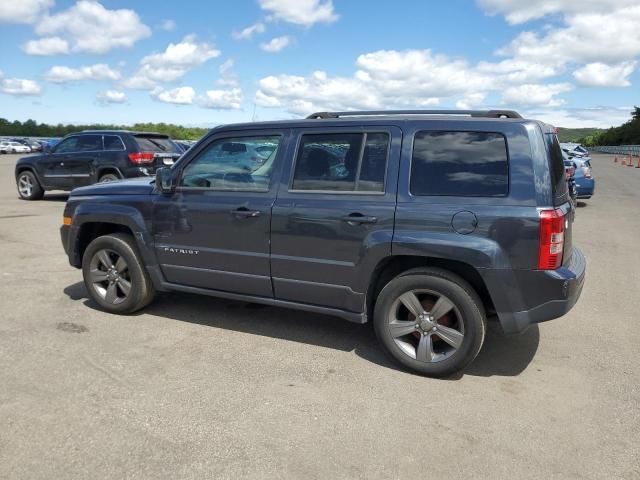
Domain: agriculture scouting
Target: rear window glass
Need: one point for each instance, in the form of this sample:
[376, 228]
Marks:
[468, 164]
[556, 168]
[156, 144]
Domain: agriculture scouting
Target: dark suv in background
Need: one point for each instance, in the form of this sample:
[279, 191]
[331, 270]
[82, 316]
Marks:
[428, 223]
[93, 157]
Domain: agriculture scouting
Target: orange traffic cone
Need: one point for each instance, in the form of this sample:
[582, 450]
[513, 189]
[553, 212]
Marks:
[638, 165]
[630, 164]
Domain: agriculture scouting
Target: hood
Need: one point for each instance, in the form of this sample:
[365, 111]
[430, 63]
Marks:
[134, 186]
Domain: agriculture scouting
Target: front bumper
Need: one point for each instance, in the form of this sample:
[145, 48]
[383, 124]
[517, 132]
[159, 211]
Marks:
[69, 236]
[525, 297]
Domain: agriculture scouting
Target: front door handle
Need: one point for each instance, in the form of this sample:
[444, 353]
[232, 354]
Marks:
[244, 212]
[359, 219]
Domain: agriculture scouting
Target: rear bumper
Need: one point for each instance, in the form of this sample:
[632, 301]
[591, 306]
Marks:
[523, 298]
[586, 187]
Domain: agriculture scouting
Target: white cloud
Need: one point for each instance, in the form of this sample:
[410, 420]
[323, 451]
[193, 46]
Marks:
[227, 76]
[276, 44]
[111, 96]
[168, 25]
[100, 71]
[587, 37]
[23, 11]
[249, 32]
[230, 99]
[19, 86]
[172, 64]
[536, 94]
[46, 46]
[603, 75]
[300, 12]
[179, 95]
[90, 27]
[384, 79]
[521, 11]
[471, 100]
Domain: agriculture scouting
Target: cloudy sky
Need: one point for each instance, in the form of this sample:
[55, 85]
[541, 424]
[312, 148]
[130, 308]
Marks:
[195, 62]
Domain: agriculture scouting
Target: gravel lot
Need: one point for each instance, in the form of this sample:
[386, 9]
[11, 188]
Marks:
[195, 387]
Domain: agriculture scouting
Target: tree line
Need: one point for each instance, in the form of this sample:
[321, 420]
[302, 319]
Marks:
[31, 128]
[626, 134]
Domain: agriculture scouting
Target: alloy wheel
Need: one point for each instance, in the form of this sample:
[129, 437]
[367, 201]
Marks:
[426, 326]
[25, 185]
[109, 276]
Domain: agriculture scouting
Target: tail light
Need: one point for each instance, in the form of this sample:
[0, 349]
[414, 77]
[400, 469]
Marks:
[586, 171]
[551, 239]
[141, 158]
[570, 172]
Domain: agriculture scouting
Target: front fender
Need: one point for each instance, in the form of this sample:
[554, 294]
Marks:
[123, 215]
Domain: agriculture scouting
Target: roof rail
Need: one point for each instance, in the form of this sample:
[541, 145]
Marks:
[471, 113]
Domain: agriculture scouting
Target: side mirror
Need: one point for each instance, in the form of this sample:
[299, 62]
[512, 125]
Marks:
[165, 181]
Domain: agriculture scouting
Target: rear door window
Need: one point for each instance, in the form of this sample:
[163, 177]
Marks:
[341, 162]
[151, 143]
[467, 164]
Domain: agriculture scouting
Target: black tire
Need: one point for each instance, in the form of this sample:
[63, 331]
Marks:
[141, 291]
[108, 177]
[466, 305]
[28, 186]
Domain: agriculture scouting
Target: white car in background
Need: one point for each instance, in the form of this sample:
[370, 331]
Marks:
[8, 146]
[576, 152]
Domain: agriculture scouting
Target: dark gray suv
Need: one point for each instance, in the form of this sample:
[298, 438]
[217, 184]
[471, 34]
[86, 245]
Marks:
[425, 222]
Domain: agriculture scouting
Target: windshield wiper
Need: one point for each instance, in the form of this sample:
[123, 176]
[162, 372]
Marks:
[157, 144]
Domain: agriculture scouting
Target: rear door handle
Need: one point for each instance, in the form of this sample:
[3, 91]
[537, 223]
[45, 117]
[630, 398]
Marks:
[244, 212]
[359, 219]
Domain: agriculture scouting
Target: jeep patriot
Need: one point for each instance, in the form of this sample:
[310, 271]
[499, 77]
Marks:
[425, 222]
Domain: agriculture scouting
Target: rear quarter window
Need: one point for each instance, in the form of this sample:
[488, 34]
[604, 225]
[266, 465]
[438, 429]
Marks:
[467, 164]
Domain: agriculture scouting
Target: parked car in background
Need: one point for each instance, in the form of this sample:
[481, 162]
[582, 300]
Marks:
[11, 146]
[576, 151]
[403, 218]
[91, 157]
[585, 183]
[570, 171]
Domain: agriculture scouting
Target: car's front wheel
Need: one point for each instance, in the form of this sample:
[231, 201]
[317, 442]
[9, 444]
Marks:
[115, 276]
[430, 321]
[28, 186]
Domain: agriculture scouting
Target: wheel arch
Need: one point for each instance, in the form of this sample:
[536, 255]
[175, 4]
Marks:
[391, 267]
[90, 219]
[104, 170]
[28, 168]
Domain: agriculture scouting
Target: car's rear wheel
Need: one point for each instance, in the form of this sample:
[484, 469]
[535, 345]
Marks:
[115, 276]
[430, 321]
[28, 186]
[108, 177]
